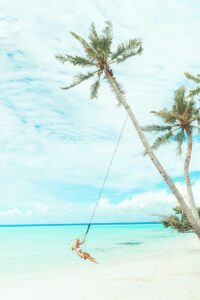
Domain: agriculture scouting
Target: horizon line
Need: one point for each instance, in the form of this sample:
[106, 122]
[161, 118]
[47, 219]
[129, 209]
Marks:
[78, 224]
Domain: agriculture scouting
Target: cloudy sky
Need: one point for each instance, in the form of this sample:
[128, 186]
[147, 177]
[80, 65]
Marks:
[55, 145]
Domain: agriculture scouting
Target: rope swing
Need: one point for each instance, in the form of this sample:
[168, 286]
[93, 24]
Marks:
[77, 243]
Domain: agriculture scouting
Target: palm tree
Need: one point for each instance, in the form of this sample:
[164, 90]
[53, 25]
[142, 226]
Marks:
[99, 58]
[180, 123]
[195, 79]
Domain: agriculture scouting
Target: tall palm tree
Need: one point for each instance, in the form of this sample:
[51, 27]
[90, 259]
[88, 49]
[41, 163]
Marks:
[195, 79]
[180, 123]
[99, 57]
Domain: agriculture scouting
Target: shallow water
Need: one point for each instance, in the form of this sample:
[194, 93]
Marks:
[26, 250]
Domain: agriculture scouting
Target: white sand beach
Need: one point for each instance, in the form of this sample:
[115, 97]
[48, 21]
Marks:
[170, 271]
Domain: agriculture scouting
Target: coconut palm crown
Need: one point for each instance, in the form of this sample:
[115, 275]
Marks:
[179, 121]
[99, 56]
[195, 79]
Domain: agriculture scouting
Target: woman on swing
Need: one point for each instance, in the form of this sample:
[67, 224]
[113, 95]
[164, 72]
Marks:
[76, 244]
[84, 255]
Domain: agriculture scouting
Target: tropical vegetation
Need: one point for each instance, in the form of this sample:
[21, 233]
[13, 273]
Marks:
[178, 221]
[179, 124]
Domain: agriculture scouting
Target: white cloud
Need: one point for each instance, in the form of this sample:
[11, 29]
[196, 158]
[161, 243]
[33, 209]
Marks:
[144, 206]
[147, 206]
[11, 213]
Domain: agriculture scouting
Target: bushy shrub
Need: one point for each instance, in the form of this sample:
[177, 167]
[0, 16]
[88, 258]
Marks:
[178, 220]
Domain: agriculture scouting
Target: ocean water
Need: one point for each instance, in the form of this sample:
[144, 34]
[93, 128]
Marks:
[34, 249]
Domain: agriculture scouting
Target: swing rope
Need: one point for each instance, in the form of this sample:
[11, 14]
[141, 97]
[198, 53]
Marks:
[105, 179]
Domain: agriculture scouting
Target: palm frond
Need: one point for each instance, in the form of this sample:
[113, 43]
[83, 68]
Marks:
[193, 78]
[156, 128]
[128, 55]
[196, 79]
[94, 88]
[196, 115]
[75, 60]
[106, 39]
[108, 30]
[162, 140]
[126, 50]
[91, 53]
[79, 78]
[191, 110]
[179, 138]
[80, 39]
[93, 36]
[168, 116]
[180, 103]
[61, 58]
[194, 92]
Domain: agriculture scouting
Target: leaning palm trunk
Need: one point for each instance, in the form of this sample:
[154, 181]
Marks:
[187, 179]
[120, 97]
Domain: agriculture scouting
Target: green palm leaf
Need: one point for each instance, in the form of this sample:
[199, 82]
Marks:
[162, 140]
[179, 138]
[75, 60]
[91, 53]
[126, 50]
[157, 128]
[193, 78]
[196, 79]
[167, 116]
[194, 92]
[180, 104]
[93, 36]
[106, 39]
[79, 78]
[94, 88]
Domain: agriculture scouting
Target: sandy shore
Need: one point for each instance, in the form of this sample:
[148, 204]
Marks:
[171, 271]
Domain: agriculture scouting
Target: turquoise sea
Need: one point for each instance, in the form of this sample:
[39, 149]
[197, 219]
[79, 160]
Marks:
[34, 249]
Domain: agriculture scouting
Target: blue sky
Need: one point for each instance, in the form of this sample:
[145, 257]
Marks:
[55, 144]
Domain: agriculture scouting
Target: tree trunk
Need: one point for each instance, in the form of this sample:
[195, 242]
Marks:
[120, 97]
[187, 179]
